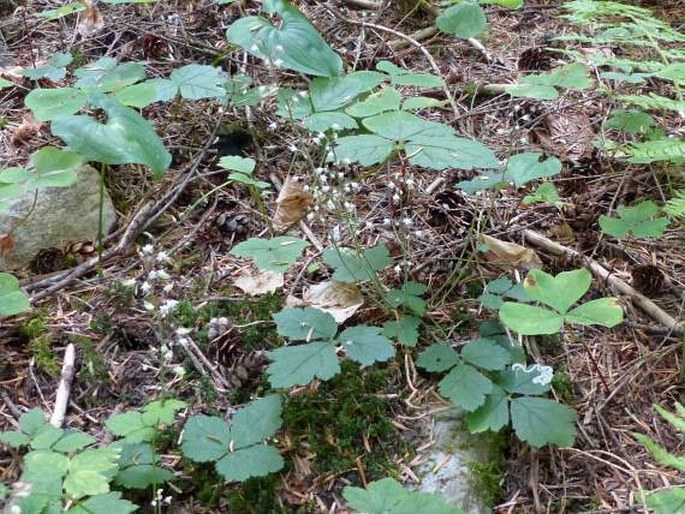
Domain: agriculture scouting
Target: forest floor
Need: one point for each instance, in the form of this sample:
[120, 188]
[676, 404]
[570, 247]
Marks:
[365, 424]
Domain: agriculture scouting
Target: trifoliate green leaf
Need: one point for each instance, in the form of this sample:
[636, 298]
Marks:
[32, 421]
[126, 137]
[449, 151]
[530, 320]
[559, 292]
[387, 99]
[331, 94]
[464, 20]
[325, 121]
[545, 193]
[437, 358]
[305, 324]
[137, 95]
[276, 254]
[532, 380]
[255, 461]
[466, 387]
[402, 77]
[205, 438]
[130, 425]
[90, 472]
[197, 81]
[138, 469]
[525, 167]
[255, 422]
[55, 69]
[349, 266]
[497, 290]
[538, 421]
[492, 415]
[299, 365]
[12, 299]
[14, 438]
[405, 330]
[485, 354]
[366, 149]
[389, 496]
[366, 345]
[295, 44]
[106, 75]
[667, 501]
[47, 104]
[640, 220]
[162, 412]
[109, 502]
[631, 122]
[537, 91]
[54, 167]
[606, 312]
[570, 76]
[46, 437]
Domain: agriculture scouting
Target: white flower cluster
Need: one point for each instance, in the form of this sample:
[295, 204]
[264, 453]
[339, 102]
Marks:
[160, 499]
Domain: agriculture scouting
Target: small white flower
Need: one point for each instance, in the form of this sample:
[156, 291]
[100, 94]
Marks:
[254, 49]
[407, 222]
[162, 256]
[145, 287]
[158, 274]
[396, 198]
[336, 234]
[340, 175]
[147, 249]
[273, 125]
[330, 205]
[335, 126]
[387, 222]
[277, 63]
[167, 307]
[303, 94]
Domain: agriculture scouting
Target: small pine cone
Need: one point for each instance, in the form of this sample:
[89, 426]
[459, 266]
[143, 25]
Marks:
[233, 224]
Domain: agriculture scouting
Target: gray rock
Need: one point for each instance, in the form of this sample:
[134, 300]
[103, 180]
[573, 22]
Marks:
[59, 216]
[449, 461]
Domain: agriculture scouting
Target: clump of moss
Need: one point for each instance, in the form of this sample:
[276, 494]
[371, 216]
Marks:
[40, 345]
[336, 419]
[488, 475]
[241, 312]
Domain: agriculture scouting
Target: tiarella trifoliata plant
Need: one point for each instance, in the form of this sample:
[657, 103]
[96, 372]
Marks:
[64, 471]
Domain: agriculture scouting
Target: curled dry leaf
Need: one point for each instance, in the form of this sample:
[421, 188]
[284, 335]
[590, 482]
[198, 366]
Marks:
[508, 256]
[256, 283]
[339, 299]
[7, 243]
[26, 131]
[90, 19]
[291, 205]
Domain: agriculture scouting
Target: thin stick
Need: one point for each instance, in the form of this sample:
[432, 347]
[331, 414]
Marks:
[64, 387]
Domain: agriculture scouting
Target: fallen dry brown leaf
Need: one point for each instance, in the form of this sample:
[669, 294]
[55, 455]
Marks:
[340, 300]
[508, 256]
[292, 205]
